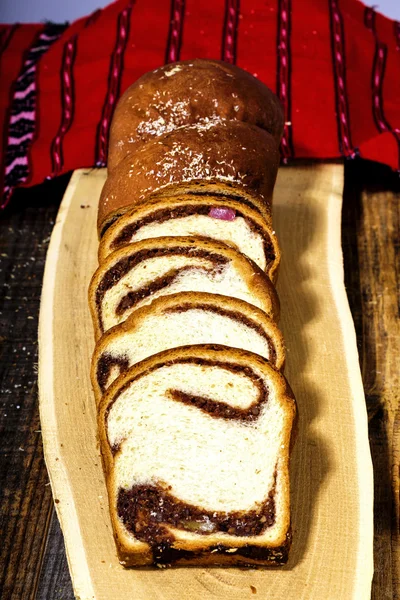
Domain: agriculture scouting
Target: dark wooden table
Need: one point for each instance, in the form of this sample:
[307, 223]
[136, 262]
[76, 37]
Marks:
[32, 555]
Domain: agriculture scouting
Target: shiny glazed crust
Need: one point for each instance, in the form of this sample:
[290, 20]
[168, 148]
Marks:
[229, 158]
[199, 552]
[185, 93]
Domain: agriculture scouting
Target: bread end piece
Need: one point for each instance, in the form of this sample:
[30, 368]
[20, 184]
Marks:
[182, 548]
[209, 556]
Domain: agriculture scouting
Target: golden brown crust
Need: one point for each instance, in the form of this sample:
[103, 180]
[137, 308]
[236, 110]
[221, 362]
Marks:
[209, 557]
[185, 93]
[134, 553]
[230, 157]
[193, 299]
[258, 283]
[110, 242]
[196, 128]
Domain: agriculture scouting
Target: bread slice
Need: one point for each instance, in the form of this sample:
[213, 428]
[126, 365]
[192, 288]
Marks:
[222, 219]
[195, 444]
[179, 320]
[180, 94]
[139, 273]
[229, 158]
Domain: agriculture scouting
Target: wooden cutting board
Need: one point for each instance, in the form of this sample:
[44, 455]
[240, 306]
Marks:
[331, 471]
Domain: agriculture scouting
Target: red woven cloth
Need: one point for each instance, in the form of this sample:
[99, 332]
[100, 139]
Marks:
[335, 65]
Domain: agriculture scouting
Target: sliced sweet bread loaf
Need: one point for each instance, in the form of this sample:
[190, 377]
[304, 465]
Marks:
[139, 273]
[180, 94]
[219, 218]
[229, 158]
[195, 444]
[179, 320]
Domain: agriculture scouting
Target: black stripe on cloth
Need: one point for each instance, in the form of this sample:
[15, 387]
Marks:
[67, 96]
[284, 74]
[19, 172]
[230, 31]
[114, 85]
[21, 116]
[6, 37]
[19, 129]
[26, 103]
[396, 30]
[67, 104]
[17, 151]
[175, 31]
[25, 80]
[338, 51]
[377, 78]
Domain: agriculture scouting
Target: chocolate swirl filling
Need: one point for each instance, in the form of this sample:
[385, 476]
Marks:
[231, 315]
[165, 214]
[159, 283]
[105, 365]
[248, 371]
[219, 410]
[123, 266]
[196, 192]
[147, 511]
[107, 361]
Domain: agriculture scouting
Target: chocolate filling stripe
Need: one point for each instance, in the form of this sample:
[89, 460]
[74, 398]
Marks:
[165, 214]
[107, 361]
[229, 196]
[160, 216]
[148, 510]
[230, 314]
[217, 409]
[196, 192]
[157, 284]
[233, 368]
[221, 410]
[123, 266]
[105, 364]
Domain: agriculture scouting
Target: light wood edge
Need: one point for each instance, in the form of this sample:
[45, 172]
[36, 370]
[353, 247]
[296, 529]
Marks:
[83, 586]
[365, 564]
[59, 480]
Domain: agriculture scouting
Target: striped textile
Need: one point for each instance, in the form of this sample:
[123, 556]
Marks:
[334, 64]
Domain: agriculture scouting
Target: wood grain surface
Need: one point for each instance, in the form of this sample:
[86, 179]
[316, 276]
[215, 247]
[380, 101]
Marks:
[370, 241]
[371, 245]
[26, 504]
[331, 468]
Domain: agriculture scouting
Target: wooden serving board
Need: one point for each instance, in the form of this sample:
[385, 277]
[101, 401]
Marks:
[331, 471]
